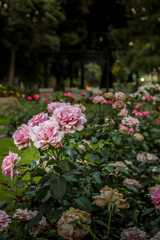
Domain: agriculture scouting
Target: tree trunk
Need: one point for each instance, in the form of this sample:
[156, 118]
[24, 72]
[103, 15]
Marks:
[82, 74]
[11, 69]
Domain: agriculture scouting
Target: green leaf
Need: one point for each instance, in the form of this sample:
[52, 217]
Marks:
[147, 211]
[47, 177]
[63, 165]
[71, 151]
[2, 203]
[84, 204]
[58, 188]
[42, 192]
[132, 188]
[96, 177]
[38, 172]
[34, 221]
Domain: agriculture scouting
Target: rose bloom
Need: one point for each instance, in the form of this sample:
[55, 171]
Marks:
[8, 165]
[157, 120]
[151, 158]
[129, 131]
[132, 182]
[29, 98]
[109, 95]
[123, 112]
[156, 237]
[51, 107]
[120, 96]
[25, 216]
[138, 106]
[141, 157]
[47, 133]
[119, 163]
[139, 137]
[36, 96]
[145, 113]
[97, 93]
[153, 188]
[68, 224]
[83, 146]
[133, 233]
[21, 137]
[69, 95]
[83, 108]
[155, 196]
[69, 118]
[109, 122]
[111, 198]
[4, 221]
[131, 122]
[119, 105]
[83, 94]
[99, 99]
[37, 119]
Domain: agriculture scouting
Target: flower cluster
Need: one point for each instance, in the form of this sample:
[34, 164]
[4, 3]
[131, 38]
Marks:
[74, 224]
[132, 182]
[156, 237]
[111, 198]
[149, 157]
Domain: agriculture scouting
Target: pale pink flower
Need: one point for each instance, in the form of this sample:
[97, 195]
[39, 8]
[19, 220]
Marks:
[9, 165]
[83, 146]
[69, 118]
[109, 122]
[47, 133]
[23, 215]
[139, 114]
[51, 107]
[123, 112]
[129, 131]
[134, 112]
[36, 96]
[120, 96]
[155, 196]
[21, 137]
[131, 122]
[99, 99]
[139, 137]
[132, 182]
[23, 96]
[118, 163]
[37, 119]
[133, 233]
[4, 221]
[141, 157]
[39, 227]
[151, 158]
[97, 93]
[156, 237]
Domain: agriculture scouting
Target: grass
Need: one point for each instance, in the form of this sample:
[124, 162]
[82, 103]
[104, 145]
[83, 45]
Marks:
[3, 120]
[7, 188]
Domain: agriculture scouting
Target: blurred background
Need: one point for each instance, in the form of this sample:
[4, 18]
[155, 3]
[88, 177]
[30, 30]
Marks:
[79, 43]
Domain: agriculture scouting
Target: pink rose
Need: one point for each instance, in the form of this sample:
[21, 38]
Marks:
[69, 118]
[118, 163]
[151, 98]
[29, 98]
[155, 196]
[23, 96]
[37, 119]
[23, 215]
[99, 99]
[46, 99]
[132, 182]
[8, 165]
[123, 112]
[141, 157]
[21, 137]
[47, 133]
[36, 96]
[145, 113]
[69, 95]
[51, 107]
[4, 221]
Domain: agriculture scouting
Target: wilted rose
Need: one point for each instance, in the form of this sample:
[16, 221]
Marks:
[70, 225]
[133, 233]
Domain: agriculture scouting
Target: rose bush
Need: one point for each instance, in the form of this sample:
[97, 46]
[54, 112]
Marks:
[89, 177]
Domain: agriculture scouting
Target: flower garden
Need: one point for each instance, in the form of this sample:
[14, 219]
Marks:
[91, 168]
